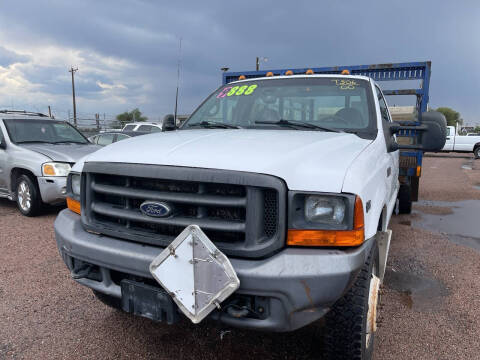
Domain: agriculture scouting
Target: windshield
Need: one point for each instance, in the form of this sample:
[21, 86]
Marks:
[341, 103]
[48, 131]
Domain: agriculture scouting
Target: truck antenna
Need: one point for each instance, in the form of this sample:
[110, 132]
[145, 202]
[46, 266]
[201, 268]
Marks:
[178, 76]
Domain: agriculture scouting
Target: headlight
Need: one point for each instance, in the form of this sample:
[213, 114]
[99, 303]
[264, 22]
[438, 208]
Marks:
[55, 169]
[75, 184]
[327, 219]
[325, 209]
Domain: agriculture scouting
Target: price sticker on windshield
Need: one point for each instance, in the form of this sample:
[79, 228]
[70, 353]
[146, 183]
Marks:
[346, 84]
[236, 91]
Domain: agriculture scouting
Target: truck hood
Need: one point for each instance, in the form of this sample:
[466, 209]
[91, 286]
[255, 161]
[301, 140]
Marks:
[69, 153]
[306, 160]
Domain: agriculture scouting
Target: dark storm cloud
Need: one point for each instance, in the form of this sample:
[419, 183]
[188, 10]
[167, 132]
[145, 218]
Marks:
[223, 33]
[8, 57]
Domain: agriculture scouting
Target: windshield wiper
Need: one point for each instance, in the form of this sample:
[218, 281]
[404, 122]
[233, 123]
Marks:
[296, 124]
[33, 141]
[69, 142]
[213, 124]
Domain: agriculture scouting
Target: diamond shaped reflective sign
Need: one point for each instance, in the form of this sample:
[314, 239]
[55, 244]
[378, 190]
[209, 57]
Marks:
[196, 274]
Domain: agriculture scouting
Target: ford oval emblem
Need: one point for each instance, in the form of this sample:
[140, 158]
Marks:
[156, 209]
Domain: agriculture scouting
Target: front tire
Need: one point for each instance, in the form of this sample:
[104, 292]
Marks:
[29, 202]
[476, 152]
[351, 323]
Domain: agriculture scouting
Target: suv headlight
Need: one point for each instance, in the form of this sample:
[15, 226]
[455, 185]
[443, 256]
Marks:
[55, 169]
[325, 219]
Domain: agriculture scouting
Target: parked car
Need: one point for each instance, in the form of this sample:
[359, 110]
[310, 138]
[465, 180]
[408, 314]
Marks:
[143, 126]
[268, 209]
[107, 138]
[36, 155]
[462, 143]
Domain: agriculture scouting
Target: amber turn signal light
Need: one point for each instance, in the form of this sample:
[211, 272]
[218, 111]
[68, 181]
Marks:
[269, 74]
[345, 72]
[73, 205]
[242, 77]
[352, 237]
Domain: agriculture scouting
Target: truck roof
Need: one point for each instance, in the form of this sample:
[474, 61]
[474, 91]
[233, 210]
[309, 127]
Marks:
[360, 77]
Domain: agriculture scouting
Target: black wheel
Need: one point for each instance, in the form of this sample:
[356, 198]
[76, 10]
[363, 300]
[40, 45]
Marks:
[29, 202]
[108, 300]
[476, 152]
[404, 199]
[351, 323]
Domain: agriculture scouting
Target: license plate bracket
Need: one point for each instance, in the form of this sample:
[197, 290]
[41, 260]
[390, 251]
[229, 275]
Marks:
[148, 301]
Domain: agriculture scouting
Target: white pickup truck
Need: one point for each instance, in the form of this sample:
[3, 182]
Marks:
[461, 143]
[268, 209]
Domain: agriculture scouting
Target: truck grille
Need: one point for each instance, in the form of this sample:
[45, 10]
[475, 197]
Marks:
[242, 213]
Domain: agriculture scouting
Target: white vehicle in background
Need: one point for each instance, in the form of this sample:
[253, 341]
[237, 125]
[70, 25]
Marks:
[461, 143]
[143, 127]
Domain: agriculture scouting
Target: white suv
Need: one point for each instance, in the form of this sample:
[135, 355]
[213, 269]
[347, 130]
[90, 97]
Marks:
[143, 127]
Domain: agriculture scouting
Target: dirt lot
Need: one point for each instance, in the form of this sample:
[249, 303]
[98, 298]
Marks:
[430, 303]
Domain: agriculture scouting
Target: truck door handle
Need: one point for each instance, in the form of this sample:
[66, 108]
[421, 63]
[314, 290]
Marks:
[448, 138]
[389, 171]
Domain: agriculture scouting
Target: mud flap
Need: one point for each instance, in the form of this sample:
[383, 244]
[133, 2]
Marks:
[383, 243]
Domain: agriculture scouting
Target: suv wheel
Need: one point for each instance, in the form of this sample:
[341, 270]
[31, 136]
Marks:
[476, 152]
[29, 202]
[352, 321]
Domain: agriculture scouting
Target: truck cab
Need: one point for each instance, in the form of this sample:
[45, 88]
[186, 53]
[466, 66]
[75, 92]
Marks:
[284, 187]
[461, 143]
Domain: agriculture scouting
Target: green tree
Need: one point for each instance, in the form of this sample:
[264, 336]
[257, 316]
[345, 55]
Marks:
[452, 116]
[131, 116]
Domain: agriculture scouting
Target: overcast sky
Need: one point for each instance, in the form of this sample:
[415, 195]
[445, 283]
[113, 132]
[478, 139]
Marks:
[126, 51]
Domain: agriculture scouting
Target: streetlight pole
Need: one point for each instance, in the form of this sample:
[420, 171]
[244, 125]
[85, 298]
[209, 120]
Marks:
[72, 70]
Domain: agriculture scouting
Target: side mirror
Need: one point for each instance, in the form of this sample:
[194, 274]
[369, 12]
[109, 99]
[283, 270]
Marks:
[431, 134]
[168, 123]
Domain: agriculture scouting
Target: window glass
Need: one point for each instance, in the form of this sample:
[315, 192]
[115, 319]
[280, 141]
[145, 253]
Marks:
[339, 103]
[105, 139]
[36, 130]
[144, 128]
[129, 127]
[155, 129]
[383, 106]
[122, 137]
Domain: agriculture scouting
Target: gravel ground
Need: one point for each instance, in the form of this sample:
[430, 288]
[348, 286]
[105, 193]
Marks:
[430, 306]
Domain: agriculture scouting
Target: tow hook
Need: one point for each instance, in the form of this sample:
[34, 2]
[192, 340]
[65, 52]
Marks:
[82, 272]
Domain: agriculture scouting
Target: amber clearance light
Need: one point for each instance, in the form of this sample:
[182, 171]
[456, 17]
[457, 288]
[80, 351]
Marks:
[73, 205]
[352, 237]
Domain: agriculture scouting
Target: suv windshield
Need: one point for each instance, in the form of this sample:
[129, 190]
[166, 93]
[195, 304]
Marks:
[48, 131]
[339, 103]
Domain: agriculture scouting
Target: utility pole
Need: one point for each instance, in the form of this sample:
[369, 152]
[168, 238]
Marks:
[257, 62]
[49, 111]
[72, 70]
